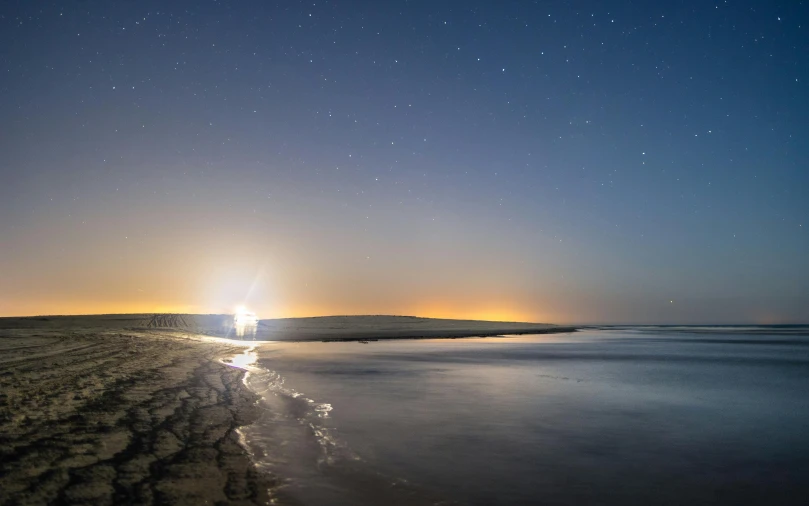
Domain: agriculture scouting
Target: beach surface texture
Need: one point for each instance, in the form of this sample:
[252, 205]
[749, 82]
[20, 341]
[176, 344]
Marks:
[145, 409]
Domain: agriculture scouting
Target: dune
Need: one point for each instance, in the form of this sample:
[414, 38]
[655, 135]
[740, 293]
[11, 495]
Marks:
[322, 328]
[348, 328]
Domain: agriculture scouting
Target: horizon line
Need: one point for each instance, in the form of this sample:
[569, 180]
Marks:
[598, 324]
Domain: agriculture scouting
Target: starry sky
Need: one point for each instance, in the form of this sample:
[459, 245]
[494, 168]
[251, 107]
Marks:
[560, 161]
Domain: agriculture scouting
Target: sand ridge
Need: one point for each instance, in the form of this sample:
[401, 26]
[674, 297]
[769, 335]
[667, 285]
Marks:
[322, 328]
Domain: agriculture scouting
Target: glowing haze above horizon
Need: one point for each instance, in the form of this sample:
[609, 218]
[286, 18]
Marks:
[558, 162]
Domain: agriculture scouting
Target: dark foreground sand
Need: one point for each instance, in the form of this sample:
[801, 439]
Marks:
[93, 417]
[140, 409]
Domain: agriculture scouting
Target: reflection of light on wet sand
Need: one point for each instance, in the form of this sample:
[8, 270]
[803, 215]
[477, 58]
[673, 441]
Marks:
[245, 360]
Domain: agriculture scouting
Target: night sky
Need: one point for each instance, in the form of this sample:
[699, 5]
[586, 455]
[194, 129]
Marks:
[560, 161]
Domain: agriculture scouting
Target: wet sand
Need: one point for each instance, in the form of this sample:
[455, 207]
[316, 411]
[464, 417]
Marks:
[122, 417]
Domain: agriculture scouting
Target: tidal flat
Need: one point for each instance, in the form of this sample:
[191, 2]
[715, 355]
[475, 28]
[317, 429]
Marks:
[146, 409]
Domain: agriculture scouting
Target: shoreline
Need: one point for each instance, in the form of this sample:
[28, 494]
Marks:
[138, 417]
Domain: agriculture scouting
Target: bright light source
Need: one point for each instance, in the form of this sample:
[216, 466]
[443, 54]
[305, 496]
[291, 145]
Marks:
[244, 317]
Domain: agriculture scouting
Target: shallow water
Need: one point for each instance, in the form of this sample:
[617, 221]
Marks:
[651, 415]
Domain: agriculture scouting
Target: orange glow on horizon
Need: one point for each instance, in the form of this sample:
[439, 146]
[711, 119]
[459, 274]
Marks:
[473, 310]
[433, 311]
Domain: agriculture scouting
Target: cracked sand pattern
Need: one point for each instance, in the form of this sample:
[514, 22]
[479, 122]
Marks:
[100, 417]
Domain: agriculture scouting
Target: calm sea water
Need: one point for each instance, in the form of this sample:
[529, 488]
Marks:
[634, 415]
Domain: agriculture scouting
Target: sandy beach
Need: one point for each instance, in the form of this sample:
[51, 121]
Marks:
[115, 416]
[144, 409]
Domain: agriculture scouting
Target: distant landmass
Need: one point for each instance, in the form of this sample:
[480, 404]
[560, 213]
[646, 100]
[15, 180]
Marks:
[321, 328]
